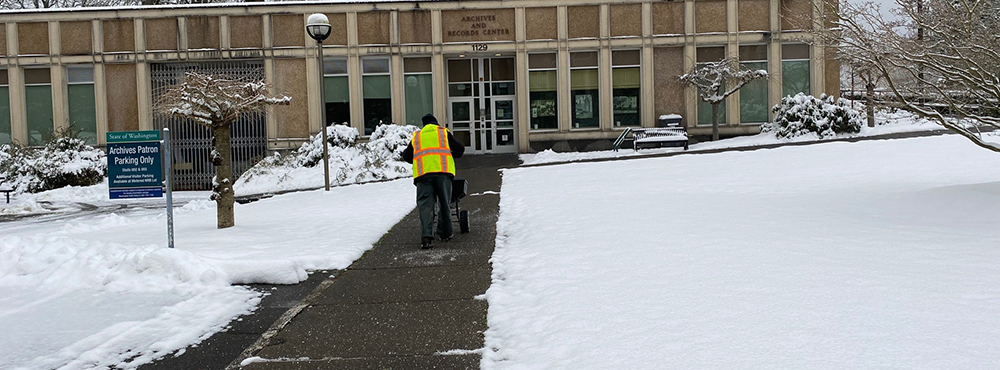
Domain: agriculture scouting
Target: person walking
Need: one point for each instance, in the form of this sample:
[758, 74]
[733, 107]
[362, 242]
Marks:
[432, 151]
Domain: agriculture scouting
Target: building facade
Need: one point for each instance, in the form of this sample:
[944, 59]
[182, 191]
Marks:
[508, 76]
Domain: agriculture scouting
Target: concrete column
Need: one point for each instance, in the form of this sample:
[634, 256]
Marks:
[18, 116]
[182, 34]
[314, 82]
[266, 42]
[57, 74]
[143, 76]
[690, 93]
[438, 69]
[562, 73]
[396, 72]
[604, 64]
[101, 103]
[817, 61]
[647, 103]
[774, 58]
[225, 39]
[354, 70]
[523, 114]
[100, 84]
[690, 57]
[733, 53]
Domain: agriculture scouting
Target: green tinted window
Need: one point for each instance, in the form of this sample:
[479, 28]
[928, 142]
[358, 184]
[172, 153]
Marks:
[336, 89]
[82, 114]
[419, 90]
[795, 77]
[38, 101]
[5, 136]
[753, 96]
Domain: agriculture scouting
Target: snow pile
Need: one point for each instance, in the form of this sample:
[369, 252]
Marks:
[350, 161]
[99, 292]
[61, 162]
[888, 121]
[822, 117]
[874, 254]
[46, 271]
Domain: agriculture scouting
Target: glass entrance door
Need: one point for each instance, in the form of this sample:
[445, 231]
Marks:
[481, 104]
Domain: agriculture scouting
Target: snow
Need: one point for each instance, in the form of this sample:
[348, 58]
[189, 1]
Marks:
[886, 123]
[98, 291]
[874, 254]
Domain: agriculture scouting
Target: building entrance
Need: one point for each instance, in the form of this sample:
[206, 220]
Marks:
[481, 98]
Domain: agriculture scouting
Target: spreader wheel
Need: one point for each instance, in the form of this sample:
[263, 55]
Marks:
[463, 221]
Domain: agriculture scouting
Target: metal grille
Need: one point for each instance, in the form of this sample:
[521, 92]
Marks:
[191, 143]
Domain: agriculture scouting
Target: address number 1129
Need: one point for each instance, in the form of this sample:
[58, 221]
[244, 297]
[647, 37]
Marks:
[480, 47]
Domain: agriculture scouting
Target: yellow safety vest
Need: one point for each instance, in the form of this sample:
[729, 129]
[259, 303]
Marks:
[431, 152]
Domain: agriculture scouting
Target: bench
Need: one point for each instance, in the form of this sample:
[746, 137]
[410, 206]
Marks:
[5, 189]
[659, 137]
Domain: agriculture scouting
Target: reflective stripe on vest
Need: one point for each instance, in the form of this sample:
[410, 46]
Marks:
[431, 151]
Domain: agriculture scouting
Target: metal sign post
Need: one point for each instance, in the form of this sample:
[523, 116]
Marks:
[167, 186]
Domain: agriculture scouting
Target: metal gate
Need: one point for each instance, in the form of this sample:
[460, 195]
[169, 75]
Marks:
[191, 143]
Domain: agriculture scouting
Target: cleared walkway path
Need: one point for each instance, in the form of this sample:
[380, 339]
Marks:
[399, 307]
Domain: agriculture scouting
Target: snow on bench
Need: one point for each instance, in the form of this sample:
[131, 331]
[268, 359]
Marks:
[657, 137]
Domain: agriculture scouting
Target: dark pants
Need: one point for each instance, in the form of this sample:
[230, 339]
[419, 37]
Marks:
[434, 188]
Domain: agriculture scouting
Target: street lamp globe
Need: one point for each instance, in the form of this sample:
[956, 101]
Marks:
[318, 27]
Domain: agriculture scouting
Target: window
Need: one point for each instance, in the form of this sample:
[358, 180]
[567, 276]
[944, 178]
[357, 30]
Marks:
[542, 91]
[377, 103]
[38, 104]
[80, 93]
[336, 92]
[795, 69]
[418, 86]
[584, 89]
[5, 135]
[707, 55]
[753, 96]
[626, 82]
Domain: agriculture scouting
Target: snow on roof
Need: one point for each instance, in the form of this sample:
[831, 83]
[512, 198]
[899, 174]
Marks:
[211, 5]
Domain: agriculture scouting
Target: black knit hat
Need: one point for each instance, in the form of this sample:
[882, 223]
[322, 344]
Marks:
[429, 119]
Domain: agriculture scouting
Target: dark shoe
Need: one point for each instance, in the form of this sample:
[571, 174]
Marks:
[446, 238]
[427, 242]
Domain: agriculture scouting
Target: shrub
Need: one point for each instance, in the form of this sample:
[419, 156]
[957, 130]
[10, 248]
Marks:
[391, 139]
[805, 114]
[62, 161]
[340, 136]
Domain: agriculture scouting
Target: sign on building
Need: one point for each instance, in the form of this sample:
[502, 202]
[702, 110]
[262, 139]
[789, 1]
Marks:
[134, 167]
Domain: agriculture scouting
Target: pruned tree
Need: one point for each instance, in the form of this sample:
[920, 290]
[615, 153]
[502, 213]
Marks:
[216, 102]
[716, 81]
[940, 59]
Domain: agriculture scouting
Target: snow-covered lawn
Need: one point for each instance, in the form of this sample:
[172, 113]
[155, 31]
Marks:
[887, 123]
[93, 292]
[868, 255]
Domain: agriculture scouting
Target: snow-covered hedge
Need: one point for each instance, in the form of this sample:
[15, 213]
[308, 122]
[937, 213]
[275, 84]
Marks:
[61, 162]
[806, 114]
[350, 161]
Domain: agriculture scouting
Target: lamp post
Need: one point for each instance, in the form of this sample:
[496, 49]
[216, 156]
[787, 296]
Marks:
[318, 27]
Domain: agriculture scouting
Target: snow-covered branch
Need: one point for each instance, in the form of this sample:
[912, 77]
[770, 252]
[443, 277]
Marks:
[216, 100]
[717, 80]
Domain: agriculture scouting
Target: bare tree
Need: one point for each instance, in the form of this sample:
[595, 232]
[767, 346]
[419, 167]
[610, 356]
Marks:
[942, 57]
[216, 102]
[716, 81]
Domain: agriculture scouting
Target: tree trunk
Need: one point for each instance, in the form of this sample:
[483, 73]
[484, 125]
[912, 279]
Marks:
[223, 176]
[715, 122]
[870, 102]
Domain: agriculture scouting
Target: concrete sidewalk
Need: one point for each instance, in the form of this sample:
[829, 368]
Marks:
[399, 307]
